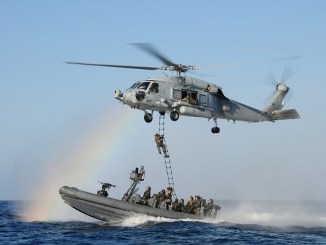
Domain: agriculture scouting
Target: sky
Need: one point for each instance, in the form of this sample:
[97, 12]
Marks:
[60, 124]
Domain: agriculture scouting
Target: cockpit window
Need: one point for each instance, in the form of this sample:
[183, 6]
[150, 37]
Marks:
[135, 85]
[143, 85]
[154, 88]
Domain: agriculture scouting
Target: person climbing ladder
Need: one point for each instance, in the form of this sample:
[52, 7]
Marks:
[161, 143]
[159, 139]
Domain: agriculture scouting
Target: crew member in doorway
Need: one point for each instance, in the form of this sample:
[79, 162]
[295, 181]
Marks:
[190, 99]
[159, 139]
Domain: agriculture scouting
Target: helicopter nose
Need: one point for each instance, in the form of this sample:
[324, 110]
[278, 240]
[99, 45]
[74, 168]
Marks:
[130, 98]
[118, 95]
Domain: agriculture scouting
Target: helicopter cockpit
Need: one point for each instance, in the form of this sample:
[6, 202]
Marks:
[140, 85]
[142, 88]
[153, 88]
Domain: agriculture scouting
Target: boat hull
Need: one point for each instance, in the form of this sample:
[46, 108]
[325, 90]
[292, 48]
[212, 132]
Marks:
[113, 210]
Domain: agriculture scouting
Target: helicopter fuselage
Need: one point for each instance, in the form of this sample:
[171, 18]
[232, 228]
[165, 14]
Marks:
[189, 96]
[186, 96]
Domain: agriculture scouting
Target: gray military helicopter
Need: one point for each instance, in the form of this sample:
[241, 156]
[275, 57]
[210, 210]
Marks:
[189, 96]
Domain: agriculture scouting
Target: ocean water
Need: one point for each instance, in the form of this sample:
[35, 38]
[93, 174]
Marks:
[254, 226]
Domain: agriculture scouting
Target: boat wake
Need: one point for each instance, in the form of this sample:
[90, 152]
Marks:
[142, 219]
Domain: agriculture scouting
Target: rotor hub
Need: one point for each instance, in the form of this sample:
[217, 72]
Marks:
[282, 88]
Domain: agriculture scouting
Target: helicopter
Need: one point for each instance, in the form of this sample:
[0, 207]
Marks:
[189, 96]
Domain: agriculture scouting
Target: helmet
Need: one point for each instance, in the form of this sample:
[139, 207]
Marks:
[210, 200]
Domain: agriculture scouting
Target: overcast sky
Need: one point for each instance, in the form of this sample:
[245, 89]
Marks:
[60, 124]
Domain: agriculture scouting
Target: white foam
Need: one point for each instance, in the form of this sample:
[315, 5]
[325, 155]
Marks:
[141, 219]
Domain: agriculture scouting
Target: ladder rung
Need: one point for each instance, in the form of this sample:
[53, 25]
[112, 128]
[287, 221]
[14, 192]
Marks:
[168, 166]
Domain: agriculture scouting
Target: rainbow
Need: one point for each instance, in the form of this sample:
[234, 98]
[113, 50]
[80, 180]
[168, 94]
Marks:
[77, 165]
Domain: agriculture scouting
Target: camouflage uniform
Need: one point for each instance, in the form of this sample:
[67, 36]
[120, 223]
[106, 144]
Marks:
[147, 193]
[160, 144]
[159, 198]
[208, 207]
[188, 207]
[168, 196]
[178, 206]
[196, 205]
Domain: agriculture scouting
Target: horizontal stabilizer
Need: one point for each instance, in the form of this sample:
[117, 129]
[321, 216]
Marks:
[285, 114]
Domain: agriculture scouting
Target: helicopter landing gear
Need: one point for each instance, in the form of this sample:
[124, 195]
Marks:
[148, 117]
[215, 130]
[174, 115]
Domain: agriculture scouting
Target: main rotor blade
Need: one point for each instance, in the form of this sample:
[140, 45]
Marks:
[294, 57]
[149, 48]
[116, 66]
[287, 73]
[270, 79]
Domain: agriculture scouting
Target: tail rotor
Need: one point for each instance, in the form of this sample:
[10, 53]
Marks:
[276, 100]
[280, 85]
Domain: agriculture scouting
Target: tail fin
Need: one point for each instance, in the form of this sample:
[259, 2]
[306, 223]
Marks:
[285, 114]
[274, 107]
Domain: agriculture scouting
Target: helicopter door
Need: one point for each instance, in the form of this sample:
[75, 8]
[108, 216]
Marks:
[202, 100]
[189, 97]
[176, 94]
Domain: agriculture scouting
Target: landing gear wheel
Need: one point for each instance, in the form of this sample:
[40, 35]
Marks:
[148, 117]
[174, 115]
[215, 130]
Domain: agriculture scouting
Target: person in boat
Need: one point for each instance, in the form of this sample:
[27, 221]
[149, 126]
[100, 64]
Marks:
[168, 196]
[178, 205]
[188, 207]
[159, 139]
[181, 205]
[141, 174]
[208, 207]
[147, 193]
[175, 204]
[196, 205]
[159, 197]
